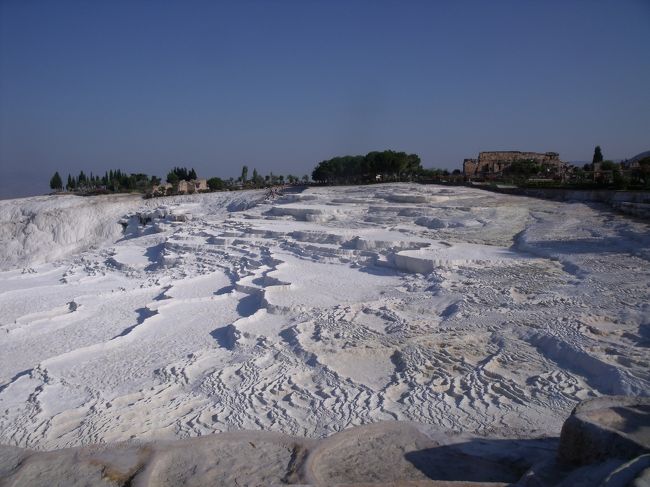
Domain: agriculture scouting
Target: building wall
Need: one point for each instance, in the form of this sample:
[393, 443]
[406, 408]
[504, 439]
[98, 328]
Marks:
[512, 156]
[192, 186]
[470, 166]
[493, 162]
[183, 186]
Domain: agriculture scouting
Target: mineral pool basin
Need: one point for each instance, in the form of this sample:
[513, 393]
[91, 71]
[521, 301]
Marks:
[446, 254]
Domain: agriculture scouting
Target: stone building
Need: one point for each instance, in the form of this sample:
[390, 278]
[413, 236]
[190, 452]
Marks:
[201, 184]
[183, 186]
[493, 163]
[192, 186]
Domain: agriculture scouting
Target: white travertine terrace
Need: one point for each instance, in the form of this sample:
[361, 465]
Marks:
[452, 308]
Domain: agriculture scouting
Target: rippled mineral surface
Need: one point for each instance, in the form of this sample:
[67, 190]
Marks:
[454, 308]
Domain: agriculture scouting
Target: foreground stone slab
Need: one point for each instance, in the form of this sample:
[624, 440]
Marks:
[604, 442]
[606, 427]
[398, 452]
[387, 453]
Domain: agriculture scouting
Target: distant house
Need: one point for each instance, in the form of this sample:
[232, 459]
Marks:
[192, 186]
[184, 187]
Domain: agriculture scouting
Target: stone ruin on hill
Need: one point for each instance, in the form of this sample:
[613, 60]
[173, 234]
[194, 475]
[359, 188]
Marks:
[493, 163]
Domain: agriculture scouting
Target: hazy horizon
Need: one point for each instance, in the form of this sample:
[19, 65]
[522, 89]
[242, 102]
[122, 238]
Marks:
[145, 86]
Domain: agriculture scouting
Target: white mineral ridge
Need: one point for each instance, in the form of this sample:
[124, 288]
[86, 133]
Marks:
[442, 254]
[45, 228]
[305, 314]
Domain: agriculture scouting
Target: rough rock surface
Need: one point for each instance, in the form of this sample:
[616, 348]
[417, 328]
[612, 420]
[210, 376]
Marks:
[393, 453]
[306, 313]
[606, 427]
[602, 444]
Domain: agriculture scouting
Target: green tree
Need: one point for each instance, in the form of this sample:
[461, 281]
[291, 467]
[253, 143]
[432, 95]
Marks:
[172, 178]
[56, 183]
[257, 179]
[183, 173]
[244, 174]
[216, 184]
[619, 179]
[608, 166]
[598, 155]
[358, 169]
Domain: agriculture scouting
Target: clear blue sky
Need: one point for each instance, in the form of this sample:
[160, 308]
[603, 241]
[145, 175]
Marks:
[144, 85]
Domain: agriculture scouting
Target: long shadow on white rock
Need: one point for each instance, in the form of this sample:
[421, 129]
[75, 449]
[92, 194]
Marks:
[482, 460]
[225, 336]
[143, 314]
[250, 304]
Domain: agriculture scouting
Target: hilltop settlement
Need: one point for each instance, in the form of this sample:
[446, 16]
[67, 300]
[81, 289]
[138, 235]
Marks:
[519, 168]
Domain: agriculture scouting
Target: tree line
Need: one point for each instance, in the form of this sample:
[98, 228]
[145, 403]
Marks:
[619, 175]
[385, 165]
[258, 181]
[112, 181]
[178, 174]
[375, 166]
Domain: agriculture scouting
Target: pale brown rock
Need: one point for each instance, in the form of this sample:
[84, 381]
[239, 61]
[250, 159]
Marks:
[606, 427]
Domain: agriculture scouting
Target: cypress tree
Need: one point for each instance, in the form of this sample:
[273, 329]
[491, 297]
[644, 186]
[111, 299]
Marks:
[56, 183]
[598, 155]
